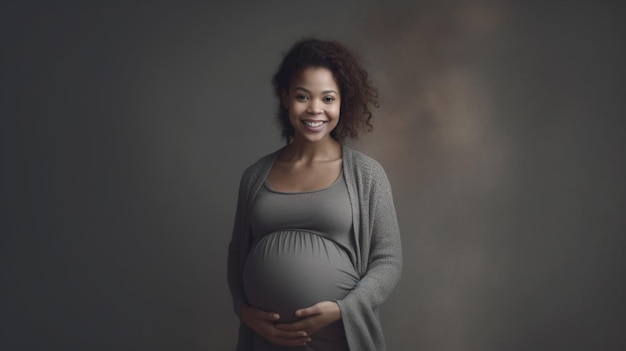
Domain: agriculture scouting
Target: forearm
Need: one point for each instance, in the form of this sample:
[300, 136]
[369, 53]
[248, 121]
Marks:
[234, 281]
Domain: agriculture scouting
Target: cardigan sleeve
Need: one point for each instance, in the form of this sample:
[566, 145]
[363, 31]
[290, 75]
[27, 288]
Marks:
[235, 246]
[381, 251]
[240, 242]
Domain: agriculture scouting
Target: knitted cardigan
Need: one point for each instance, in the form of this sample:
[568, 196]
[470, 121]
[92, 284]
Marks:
[378, 253]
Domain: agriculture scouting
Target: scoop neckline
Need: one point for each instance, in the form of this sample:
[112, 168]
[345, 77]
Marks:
[269, 187]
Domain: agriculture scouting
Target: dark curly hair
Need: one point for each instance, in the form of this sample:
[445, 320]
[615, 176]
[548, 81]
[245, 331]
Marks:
[358, 95]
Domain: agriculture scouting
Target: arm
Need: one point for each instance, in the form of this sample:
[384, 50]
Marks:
[234, 255]
[381, 252]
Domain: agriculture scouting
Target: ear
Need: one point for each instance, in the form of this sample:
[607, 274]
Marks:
[285, 99]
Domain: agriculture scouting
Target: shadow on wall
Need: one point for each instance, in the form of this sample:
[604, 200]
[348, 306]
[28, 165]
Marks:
[436, 113]
[435, 134]
[485, 132]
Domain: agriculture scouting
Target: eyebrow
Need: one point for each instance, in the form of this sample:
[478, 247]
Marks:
[323, 92]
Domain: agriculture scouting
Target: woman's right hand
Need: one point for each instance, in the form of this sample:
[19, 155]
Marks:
[261, 322]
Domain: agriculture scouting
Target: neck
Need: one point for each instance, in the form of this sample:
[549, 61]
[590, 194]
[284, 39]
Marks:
[324, 150]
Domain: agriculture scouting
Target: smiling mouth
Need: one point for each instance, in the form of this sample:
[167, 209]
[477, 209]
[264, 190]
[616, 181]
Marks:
[314, 124]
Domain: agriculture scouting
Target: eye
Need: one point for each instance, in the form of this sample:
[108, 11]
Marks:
[329, 99]
[301, 97]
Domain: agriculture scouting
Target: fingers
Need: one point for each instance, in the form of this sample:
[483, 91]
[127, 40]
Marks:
[261, 322]
[295, 326]
[319, 308]
[249, 314]
[310, 325]
[266, 316]
[309, 311]
[282, 341]
[285, 338]
[314, 318]
[287, 334]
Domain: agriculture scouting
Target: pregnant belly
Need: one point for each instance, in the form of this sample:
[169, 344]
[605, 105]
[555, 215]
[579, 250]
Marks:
[289, 270]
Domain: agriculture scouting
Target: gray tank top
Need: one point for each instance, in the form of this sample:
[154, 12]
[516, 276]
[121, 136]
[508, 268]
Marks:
[302, 254]
[326, 212]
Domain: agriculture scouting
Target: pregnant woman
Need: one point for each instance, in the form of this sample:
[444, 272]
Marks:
[316, 247]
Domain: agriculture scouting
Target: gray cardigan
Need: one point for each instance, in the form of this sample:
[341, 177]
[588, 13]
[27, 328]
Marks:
[378, 253]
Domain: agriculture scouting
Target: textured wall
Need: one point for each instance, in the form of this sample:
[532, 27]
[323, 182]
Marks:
[125, 127]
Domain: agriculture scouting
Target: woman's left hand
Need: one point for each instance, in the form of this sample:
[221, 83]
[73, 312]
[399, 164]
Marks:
[314, 318]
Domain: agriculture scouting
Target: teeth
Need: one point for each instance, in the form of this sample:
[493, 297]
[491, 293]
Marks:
[313, 123]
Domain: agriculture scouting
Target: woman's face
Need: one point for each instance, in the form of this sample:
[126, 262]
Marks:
[313, 102]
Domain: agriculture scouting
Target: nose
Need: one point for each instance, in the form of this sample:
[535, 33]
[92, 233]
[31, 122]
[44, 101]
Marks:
[315, 107]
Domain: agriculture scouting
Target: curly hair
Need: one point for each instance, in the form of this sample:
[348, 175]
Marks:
[358, 95]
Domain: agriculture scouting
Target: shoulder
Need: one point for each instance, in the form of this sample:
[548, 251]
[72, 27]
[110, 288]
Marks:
[259, 167]
[362, 164]
[365, 173]
[262, 162]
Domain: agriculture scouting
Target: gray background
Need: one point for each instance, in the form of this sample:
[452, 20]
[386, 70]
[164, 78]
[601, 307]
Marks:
[126, 126]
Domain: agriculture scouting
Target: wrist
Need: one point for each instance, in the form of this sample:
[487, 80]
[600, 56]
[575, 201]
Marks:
[243, 313]
[337, 310]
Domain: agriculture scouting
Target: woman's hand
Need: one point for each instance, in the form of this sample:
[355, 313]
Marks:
[262, 323]
[314, 318]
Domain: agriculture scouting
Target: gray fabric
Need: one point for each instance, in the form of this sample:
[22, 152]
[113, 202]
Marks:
[291, 269]
[326, 212]
[301, 254]
[378, 253]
